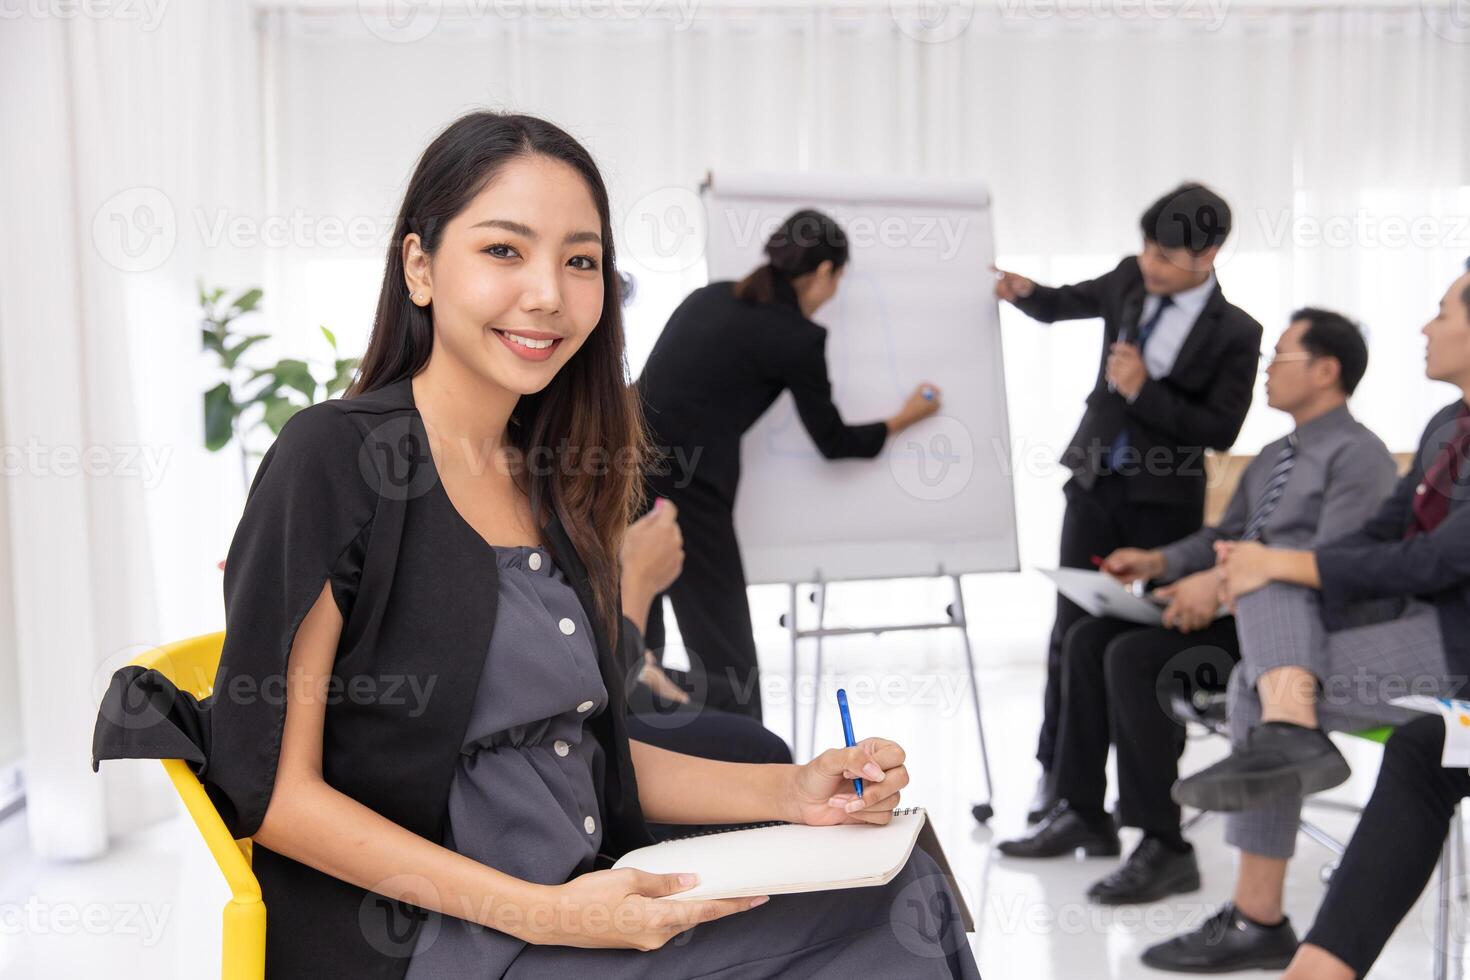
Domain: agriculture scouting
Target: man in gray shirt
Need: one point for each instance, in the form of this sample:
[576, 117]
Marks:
[1324, 478]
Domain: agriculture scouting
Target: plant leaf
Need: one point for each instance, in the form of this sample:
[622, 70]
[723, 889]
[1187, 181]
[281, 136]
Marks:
[331, 337]
[232, 355]
[246, 301]
[345, 368]
[212, 341]
[292, 373]
[219, 415]
[267, 390]
[277, 411]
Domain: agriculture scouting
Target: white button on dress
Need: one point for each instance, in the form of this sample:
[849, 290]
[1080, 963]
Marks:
[567, 626]
[534, 561]
[584, 707]
[562, 748]
[589, 825]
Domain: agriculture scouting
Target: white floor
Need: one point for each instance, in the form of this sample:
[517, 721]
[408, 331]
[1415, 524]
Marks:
[150, 908]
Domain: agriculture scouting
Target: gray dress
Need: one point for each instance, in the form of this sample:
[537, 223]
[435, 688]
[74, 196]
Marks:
[524, 800]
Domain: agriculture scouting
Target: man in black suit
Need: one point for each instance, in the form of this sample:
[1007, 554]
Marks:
[1175, 378]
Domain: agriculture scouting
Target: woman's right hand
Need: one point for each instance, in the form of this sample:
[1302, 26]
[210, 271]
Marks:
[1010, 286]
[922, 403]
[622, 908]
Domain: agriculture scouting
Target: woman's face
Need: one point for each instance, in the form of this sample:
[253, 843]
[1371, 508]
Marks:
[815, 288]
[1447, 354]
[516, 283]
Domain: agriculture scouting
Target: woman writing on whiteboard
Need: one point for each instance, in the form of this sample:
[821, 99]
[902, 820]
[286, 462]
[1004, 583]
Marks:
[727, 352]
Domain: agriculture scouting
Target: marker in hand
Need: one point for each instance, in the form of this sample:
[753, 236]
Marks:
[847, 736]
[928, 393]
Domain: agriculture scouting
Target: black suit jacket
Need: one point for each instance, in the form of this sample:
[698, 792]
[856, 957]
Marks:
[718, 365]
[1200, 405]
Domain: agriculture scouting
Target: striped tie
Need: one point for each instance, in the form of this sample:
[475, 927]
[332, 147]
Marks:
[1275, 487]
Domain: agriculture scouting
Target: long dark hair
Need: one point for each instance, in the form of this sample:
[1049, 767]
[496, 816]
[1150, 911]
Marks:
[588, 405]
[804, 241]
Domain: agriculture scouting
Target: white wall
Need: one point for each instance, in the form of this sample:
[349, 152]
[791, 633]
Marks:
[10, 738]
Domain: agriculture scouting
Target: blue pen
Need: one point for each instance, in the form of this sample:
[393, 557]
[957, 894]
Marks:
[847, 732]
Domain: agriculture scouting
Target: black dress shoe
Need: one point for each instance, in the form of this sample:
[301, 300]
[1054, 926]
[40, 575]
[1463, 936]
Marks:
[1278, 759]
[1152, 872]
[1063, 831]
[1227, 942]
[1044, 799]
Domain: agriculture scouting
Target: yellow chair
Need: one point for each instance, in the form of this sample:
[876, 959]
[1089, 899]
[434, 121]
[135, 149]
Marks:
[191, 665]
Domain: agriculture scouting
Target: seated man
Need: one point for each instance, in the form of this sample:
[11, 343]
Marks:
[1296, 678]
[1331, 472]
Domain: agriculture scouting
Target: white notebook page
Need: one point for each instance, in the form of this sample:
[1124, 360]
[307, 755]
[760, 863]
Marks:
[784, 859]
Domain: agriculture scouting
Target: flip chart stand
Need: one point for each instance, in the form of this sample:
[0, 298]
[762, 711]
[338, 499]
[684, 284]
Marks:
[956, 620]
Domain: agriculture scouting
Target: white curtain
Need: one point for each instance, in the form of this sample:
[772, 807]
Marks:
[122, 125]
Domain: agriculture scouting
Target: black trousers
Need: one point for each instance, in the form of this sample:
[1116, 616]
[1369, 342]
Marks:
[703, 731]
[1394, 850]
[710, 603]
[1116, 681]
[1096, 522]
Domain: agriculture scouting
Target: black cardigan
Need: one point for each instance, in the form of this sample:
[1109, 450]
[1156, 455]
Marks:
[1200, 405]
[348, 494]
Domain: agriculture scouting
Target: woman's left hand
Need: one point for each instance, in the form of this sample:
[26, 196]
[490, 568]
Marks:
[821, 792]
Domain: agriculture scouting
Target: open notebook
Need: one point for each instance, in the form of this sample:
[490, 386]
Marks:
[783, 858]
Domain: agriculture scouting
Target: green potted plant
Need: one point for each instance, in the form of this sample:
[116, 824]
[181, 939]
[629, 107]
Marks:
[246, 399]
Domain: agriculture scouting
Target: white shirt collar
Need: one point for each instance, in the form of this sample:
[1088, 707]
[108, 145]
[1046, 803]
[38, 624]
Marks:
[1192, 301]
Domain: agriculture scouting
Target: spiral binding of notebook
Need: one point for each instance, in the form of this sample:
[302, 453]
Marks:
[898, 812]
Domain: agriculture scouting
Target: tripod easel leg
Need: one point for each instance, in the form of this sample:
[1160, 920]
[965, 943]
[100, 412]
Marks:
[820, 597]
[982, 811]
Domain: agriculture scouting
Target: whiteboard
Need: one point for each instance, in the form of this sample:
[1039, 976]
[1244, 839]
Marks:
[916, 303]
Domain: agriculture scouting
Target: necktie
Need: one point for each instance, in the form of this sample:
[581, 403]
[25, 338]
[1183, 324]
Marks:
[1145, 331]
[1446, 477]
[1271, 495]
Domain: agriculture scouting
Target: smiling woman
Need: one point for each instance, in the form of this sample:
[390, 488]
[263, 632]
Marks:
[431, 531]
[502, 256]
